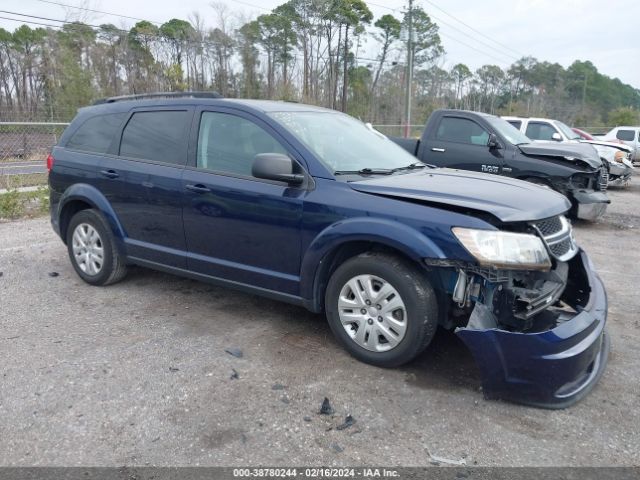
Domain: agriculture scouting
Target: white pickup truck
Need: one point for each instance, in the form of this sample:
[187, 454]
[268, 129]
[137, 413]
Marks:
[617, 156]
[630, 136]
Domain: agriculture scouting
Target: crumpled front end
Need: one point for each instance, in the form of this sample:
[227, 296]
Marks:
[538, 336]
[558, 358]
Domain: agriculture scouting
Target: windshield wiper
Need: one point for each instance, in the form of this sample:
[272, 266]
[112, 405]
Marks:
[365, 171]
[412, 166]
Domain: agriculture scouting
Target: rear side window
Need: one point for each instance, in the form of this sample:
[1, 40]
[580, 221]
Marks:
[515, 123]
[158, 136]
[540, 131]
[626, 135]
[96, 134]
[461, 130]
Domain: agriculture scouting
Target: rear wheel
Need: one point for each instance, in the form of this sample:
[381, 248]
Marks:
[381, 308]
[92, 249]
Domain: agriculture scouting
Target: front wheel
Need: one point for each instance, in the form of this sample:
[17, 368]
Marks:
[381, 308]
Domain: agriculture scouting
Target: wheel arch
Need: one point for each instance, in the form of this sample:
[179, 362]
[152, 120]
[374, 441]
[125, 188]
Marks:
[350, 238]
[80, 197]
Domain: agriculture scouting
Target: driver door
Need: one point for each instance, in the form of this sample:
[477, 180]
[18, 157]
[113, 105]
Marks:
[460, 142]
[238, 227]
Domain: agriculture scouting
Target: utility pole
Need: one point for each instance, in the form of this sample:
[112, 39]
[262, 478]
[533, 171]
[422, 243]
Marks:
[584, 92]
[409, 74]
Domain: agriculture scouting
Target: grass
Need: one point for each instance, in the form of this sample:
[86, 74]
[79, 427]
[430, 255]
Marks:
[11, 182]
[15, 204]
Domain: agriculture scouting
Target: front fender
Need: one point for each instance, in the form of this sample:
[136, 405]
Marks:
[91, 195]
[395, 235]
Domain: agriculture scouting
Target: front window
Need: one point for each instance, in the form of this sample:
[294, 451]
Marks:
[625, 135]
[343, 143]
[566, 131]
[507, 131]
[540, 131]
[461, 130]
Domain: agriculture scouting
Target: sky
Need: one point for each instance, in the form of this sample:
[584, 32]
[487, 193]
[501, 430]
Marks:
[473, 32]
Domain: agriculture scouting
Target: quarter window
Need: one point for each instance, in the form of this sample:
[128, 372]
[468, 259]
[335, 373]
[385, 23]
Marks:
[158, 136]
[461, 130]
[96, 134]
[626, 135]
[228, 143]
[540, 131]
[515, 123]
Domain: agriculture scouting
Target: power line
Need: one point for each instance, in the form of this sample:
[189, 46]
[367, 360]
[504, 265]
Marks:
[97, 11]
[455, 39]
[477, 31]
[30, 22]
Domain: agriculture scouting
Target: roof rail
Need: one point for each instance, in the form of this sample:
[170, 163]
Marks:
[144, 96]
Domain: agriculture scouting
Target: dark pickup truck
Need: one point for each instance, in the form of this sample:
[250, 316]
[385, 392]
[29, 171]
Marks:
[485, 143]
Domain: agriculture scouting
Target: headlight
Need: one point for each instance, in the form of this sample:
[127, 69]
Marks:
[515, 251]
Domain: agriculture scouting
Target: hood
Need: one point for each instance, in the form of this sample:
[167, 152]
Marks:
[564, 151]
[507, 199]
[602, 143]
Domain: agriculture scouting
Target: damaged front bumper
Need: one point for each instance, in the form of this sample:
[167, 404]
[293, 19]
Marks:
[553, 366]
[590, 204]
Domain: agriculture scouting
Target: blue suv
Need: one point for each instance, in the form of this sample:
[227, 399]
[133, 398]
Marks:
[315, 208]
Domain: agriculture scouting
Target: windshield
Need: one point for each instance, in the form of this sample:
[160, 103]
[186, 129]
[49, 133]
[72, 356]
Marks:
[344, 144]
[508, 131]
[566, 131]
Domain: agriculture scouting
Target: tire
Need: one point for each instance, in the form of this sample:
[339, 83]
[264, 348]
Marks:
[93, 251]
[397, 335]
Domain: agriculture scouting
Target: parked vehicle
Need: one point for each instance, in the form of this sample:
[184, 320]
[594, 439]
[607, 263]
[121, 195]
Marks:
[630, 136]
[311, 207]
[616, 156]
[480, 142]
[582, 134]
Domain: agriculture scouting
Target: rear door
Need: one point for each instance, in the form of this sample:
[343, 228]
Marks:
[148, 173]
[238, 227]
[460, 142]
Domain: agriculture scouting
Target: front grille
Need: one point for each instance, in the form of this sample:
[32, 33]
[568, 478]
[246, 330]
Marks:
[561, 248]
[557, 236]
[549, 226]
[603, 179]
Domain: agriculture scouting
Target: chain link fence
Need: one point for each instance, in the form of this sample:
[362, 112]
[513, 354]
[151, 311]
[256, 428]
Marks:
[24, 147]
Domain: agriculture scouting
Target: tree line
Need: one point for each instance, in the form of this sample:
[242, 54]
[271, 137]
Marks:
[311, 51]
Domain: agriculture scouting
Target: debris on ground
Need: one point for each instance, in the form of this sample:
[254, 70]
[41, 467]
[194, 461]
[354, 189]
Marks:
[285, 400]
[277, 386]
[337, 448]
[348, 422]
[434, 460]
[306, 419]
[234, 374]
[236, 352]
[174, 369]
[326, 408]
[53, 274]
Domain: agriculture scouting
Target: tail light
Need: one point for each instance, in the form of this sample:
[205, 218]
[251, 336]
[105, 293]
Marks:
[50, 161]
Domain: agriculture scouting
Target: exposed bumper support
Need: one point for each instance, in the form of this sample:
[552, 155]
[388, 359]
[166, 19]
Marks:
[553, 368]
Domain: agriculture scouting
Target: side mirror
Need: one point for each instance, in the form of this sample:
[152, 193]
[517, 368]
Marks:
[275, 166]
[492, 142]
[556, 136]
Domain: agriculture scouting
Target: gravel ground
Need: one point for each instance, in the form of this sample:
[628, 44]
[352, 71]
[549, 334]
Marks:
[137, 374]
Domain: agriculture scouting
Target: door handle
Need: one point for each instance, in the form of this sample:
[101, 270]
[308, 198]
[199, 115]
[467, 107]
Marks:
[198, 188]
[435, 149]
[109, 173]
